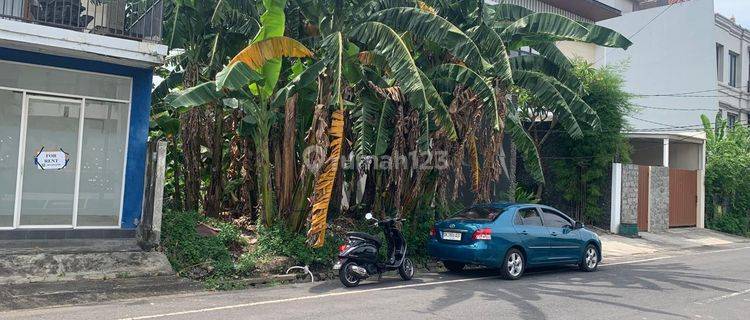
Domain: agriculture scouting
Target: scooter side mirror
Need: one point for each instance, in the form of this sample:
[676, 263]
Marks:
[368, 216]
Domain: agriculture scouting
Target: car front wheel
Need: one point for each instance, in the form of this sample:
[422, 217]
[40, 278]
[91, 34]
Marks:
[513, 265]
[590, 259]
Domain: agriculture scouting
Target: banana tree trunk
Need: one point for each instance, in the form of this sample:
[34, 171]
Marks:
[190, 136]
[177, 169]
[263, 169]
[216, 186]
[261, 136]
[288, 158]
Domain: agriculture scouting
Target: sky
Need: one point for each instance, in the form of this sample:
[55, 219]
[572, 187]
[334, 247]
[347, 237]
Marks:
[740, 9]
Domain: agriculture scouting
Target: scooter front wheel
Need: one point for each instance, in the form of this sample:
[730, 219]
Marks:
[347, 276]
[406, 270]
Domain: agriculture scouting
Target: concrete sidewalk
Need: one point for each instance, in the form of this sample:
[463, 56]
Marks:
[618, 247]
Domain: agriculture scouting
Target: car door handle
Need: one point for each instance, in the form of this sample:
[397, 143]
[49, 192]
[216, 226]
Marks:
[524, 233]
[554, 234]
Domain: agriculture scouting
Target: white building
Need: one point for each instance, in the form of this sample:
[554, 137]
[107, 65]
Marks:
[733, 70]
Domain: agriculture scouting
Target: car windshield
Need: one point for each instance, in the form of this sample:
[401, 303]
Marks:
[478, 213]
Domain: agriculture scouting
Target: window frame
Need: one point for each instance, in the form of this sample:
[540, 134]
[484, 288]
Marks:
[523, 220]
[732, 119]
[556, 212]
[720, 62]
[733, 66]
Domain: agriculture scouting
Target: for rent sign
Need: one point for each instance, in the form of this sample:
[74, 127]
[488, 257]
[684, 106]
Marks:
[51, 159]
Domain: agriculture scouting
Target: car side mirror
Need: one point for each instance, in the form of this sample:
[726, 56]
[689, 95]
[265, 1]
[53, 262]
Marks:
[578, 225]
[368, 216]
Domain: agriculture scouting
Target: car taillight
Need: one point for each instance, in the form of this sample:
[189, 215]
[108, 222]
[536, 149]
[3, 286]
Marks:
[433, 232]
[482, 234]
[343, 247]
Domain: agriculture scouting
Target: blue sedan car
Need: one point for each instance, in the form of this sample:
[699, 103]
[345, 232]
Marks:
[513, 237]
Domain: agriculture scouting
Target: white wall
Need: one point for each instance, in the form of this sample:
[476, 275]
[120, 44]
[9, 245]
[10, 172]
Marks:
[666, 58]
[578, 50]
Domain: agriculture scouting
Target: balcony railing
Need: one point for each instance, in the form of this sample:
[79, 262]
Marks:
[131, 19]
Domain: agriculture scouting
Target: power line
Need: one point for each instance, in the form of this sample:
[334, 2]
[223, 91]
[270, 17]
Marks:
[674, 109]
[684, 93]
[652, 20]
[632, 36]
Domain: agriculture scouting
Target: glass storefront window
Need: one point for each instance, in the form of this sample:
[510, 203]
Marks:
[10, 132]
[39, 78]
[102, 163]
[69, 151]
[48, 192]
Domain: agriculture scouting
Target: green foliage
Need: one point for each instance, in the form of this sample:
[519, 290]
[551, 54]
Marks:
[278, 241]
[524, 196]
[416, 231]
[728, 177]
[581, 173]
[229, 234]
[245, 264]
[187, 250]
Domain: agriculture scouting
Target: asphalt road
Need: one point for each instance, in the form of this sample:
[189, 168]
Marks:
[710, 283]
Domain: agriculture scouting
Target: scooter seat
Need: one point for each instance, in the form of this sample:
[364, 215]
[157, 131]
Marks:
[365, 236]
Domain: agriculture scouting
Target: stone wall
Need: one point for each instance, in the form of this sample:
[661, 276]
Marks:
[658, 202]
[629, 205]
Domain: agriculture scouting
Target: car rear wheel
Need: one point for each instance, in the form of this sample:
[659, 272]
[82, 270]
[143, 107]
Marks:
[590, 259]
[453, 266]
[514, 264]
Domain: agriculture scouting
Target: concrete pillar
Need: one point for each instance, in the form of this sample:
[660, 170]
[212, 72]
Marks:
[665, 153]
[161, 168]
[149, 229]
[614, 223]
[658, 199]
[701, 219]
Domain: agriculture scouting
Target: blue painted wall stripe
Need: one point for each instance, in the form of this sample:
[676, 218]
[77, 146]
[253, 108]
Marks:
[139, 118]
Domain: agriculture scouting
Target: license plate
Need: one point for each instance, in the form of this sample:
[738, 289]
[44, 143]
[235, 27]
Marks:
[455, 236]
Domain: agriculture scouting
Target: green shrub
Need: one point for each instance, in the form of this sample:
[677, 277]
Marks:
[727, 177]
[278, 241]
[730, 223]
[416, 233]
[579, 173]
[245, 264]
[186, 249]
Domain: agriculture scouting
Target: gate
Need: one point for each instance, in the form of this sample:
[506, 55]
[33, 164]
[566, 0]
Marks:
[643, 191]
[683, 198]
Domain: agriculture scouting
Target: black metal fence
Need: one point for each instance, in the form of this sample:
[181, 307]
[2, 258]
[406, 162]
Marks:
[132, 19]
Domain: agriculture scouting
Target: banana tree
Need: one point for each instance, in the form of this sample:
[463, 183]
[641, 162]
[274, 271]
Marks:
[201, 36]
[351, 32]
[546, 75]
[417, 76]
[238, 84]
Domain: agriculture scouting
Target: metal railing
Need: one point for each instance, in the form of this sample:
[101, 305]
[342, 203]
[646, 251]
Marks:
[131, 19]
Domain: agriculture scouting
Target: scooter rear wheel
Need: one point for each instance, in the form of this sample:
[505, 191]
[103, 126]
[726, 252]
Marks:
[347, 276]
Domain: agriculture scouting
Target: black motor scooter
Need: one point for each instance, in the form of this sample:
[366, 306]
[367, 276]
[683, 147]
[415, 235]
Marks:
[358, 258]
